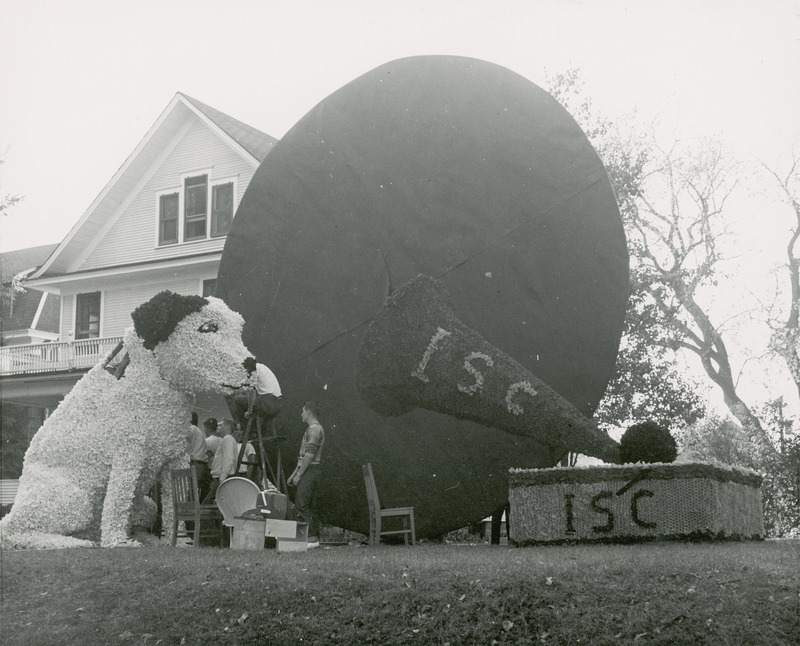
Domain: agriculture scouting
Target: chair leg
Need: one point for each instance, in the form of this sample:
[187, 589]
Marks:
[196, 539]
[405, 533]
[413, 530]
[174, 527]
[377, 532]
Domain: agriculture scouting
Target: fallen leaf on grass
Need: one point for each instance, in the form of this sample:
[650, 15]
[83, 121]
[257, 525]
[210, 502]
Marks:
[507, 625]
[548, 581]
[126, 635]
[243, 618]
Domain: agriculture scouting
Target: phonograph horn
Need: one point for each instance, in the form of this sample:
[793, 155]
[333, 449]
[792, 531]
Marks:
[417, 354]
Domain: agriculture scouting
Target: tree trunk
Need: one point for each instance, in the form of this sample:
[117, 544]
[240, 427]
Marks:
[714, 358]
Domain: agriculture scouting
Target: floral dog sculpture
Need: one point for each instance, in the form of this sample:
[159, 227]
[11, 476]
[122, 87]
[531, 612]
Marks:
[89, 467]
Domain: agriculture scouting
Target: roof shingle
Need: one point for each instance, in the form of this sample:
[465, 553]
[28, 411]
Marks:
[254, 141]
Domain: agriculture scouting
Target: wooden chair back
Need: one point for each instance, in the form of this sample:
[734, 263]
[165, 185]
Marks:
[373, 501]
[377, 514]
[185, 492]
[188, 507]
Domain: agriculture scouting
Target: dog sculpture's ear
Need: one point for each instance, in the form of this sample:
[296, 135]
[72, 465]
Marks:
[156, 319]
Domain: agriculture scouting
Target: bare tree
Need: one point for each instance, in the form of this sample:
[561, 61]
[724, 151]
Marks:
[672, 202]
[676, 232]
[785, 339]
[8, 201]
[8, 285]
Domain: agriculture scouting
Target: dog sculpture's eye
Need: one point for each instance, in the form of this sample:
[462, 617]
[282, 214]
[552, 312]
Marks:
[208, 326]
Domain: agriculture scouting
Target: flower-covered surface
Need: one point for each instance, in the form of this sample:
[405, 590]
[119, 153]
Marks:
[89, 467]
[635, 501]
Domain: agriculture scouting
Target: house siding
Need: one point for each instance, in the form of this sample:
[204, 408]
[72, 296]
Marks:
[119, 302]
[132, 237]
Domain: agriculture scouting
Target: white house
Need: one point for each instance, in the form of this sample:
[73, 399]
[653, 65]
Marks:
[160, 223]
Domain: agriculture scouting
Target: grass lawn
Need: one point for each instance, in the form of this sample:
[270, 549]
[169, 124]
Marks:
[653, 593]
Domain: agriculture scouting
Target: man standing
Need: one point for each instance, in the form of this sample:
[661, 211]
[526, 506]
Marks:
[198, 457]
[224, 463]
[213, 439]
[307, 472]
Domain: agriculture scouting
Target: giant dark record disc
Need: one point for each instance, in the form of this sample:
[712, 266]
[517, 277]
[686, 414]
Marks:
[461, 170]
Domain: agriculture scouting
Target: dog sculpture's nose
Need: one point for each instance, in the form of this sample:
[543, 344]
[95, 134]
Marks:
[249, 365]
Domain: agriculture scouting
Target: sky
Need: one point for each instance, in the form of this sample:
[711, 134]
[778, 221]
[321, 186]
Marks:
[81, 82]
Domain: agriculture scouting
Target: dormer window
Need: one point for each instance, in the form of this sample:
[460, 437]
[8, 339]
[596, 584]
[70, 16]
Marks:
[168, 219]
[195, 207]
[202, 218]
[221, 209]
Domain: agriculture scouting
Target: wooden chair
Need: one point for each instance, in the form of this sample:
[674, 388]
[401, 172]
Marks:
[187, 507]
[376, 514]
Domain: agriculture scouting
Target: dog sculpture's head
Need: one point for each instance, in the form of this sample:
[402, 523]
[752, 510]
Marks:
[196, 342]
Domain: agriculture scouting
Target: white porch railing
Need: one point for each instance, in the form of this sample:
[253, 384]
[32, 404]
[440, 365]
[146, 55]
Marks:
[49, 357]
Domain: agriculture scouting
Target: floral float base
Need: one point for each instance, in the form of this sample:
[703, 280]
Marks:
[635, 502]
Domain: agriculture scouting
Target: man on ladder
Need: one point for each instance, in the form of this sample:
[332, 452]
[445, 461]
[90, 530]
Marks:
[264, 400]
[261, 404]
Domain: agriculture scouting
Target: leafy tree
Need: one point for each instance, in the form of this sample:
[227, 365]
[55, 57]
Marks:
[13, 440]
[647, 383]
[720, 439]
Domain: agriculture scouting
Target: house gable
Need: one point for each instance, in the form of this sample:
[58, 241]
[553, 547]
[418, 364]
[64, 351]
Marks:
[132, 236]
[185, 127]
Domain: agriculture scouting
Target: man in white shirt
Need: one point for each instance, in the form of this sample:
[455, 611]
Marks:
[224, 463]
[265, 400]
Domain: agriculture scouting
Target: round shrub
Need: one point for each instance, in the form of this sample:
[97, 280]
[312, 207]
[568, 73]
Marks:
[647, 442]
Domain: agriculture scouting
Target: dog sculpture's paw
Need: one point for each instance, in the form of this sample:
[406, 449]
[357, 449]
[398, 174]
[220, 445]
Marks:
[41, 541]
